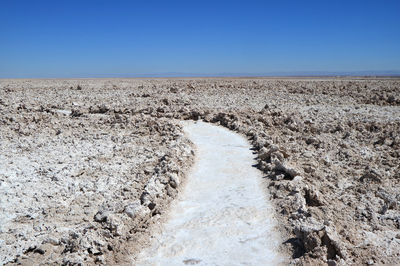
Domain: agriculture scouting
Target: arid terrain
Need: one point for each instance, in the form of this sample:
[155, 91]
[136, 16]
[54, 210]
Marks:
[87, 166]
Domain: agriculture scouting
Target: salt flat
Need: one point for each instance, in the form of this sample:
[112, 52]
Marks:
[87, 166]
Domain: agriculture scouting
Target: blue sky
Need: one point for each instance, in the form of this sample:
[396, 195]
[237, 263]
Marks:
[127, 38]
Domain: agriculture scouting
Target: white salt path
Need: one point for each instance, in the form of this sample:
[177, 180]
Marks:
[222, 217]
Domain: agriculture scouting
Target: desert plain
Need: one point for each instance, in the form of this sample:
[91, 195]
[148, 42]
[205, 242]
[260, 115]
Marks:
[89, 166]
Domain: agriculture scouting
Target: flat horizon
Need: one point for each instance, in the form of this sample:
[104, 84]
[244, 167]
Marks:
[156, 76]
[388, 73]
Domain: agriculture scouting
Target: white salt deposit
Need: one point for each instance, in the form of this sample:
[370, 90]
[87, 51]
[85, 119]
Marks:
[222, 217]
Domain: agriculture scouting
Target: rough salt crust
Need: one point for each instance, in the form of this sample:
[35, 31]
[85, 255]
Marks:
[87, 170]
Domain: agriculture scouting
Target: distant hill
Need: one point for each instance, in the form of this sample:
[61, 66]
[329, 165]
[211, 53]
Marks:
[388, 73]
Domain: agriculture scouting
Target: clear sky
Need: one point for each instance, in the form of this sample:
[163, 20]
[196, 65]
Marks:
[125, 38]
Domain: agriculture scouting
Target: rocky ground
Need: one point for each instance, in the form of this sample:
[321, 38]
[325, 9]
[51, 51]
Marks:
[88, 165]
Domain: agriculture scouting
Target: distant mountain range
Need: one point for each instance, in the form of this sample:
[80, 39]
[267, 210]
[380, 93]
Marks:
[266, 74]
[388, 73]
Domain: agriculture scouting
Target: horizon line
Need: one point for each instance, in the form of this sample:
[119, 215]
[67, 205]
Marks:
[311, 74]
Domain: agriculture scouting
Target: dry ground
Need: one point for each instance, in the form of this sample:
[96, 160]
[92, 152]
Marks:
[87, 165]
